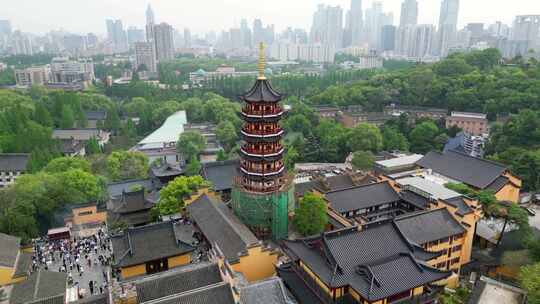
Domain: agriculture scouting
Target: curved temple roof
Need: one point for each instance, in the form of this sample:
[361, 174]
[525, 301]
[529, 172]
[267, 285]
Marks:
[262, 91]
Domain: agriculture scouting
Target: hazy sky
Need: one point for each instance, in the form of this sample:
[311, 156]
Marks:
[202, 15]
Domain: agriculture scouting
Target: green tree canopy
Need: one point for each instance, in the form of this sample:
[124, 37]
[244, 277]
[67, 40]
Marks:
[226, 134]
[424, 137]
[365, 137]
[529, 277]
[125, 165]
[190, 144]
[63, 164]
[171, 198]
[310, 216]
[394, 140]
[363, 160]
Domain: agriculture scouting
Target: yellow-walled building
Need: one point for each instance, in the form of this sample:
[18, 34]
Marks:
[225, 233]
[152, 248]
[14, 262]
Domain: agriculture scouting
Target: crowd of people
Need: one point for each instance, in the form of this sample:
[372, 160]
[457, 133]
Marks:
[74, 256]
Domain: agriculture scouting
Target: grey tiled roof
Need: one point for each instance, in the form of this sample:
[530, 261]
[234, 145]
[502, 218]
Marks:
[425, 226]
[146, 243]
[220, 293]
[177, 281]
[460, 204]
[15, 162]
[96, 115]
[131, 202]
[221, 174]
[116, 189]
[269, 291]
[9, 248]
[414, 199]
[362, 197]
[40, 287]
[23, 264]
[262, 91]
[219, 225]
[97, 299]
[377, 262]
[498, 183]
[477, 172]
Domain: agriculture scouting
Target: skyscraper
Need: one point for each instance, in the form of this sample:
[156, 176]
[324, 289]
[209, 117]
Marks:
[447, 26]
[422, 41]
[150, 21]
[134, 35]
[117, 35]
[164, 41]
[258, 32]
[145, 56]
[356, 22]
[409, 13]
[5, 27]
[375, 20]
[327, 26]
[187, 38]
[388, 38]
[246, 33]
[527, 29]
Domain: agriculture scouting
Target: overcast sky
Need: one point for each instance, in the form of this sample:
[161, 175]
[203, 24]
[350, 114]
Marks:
[82, 16]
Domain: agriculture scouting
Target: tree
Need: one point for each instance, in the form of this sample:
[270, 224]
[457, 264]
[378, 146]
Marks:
[172, 196]
[125, 165]
[363, 160]
[310, 216]
[63, 164]
[42, 115]
[83, 187]
[222, 156]
[291, 157]
[193, 167]
[190, 144]
[423, 137]
[365, 137]
[394, 140]
[529, 277]
[226, 134]
[67, 120]
[112, 121]
[92, 146]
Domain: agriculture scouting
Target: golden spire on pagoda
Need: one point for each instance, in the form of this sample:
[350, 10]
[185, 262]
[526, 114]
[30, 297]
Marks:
[262, 62]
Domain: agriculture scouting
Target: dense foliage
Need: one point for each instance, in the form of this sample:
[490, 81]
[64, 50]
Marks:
[310, 216]
[171, 198]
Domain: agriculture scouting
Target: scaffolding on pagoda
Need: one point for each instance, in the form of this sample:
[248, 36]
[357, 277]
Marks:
[262, 194]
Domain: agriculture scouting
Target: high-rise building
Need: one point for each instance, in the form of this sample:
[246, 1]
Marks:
[258, 32]
[21, 43]
[421, 44]
[75, 44]
[135, 35]
[91, 40]
[388, 38]
[447, 26]
[262, 193]
[527, 29]
[476, 29]
[187, 38]
[499, 29]
[164, 41]
[145, 55]
[409, 13]
[375, 20]
[150, 21]
[327, 26]
[356, 22]
[5, 27]
[116, 35]
[246, 33]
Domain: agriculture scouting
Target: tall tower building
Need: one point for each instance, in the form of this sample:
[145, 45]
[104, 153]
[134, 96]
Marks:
[145, 55]
[187, 38]
[117, 35]
[527, 29]
[447, 26]
[246, 33]
[262, 194]
[327, 26]
[150, 21]
[164, 41]
[409, 13]
[356, 22]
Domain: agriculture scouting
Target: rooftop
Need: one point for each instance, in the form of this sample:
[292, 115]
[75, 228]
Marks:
[13, 162]
[41, 287]
[269, 291]
[219, 293]
[400, 161]
[426, 226]
[362, 197]
[262, 91]
[9, 249]
[489, 291]
[377, 262]
[426, 187]
[221, 174]
[146, 243]
[77, 134]
[169, 132]
[220, 226]
[469, 115]
[477, 172]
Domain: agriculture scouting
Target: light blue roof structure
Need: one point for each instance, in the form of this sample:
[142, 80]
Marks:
[168, 133]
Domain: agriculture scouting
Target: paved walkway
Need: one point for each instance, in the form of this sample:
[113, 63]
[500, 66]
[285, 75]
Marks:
[80, 252]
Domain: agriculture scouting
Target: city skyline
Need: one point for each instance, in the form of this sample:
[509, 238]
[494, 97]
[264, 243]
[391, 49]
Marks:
[226, 14]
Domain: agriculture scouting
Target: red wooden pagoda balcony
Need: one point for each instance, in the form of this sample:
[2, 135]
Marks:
[262, 171]
[263, 152]
[263, 133]
[274, 112]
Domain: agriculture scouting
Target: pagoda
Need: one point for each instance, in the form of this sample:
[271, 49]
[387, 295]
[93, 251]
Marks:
[262, 194]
